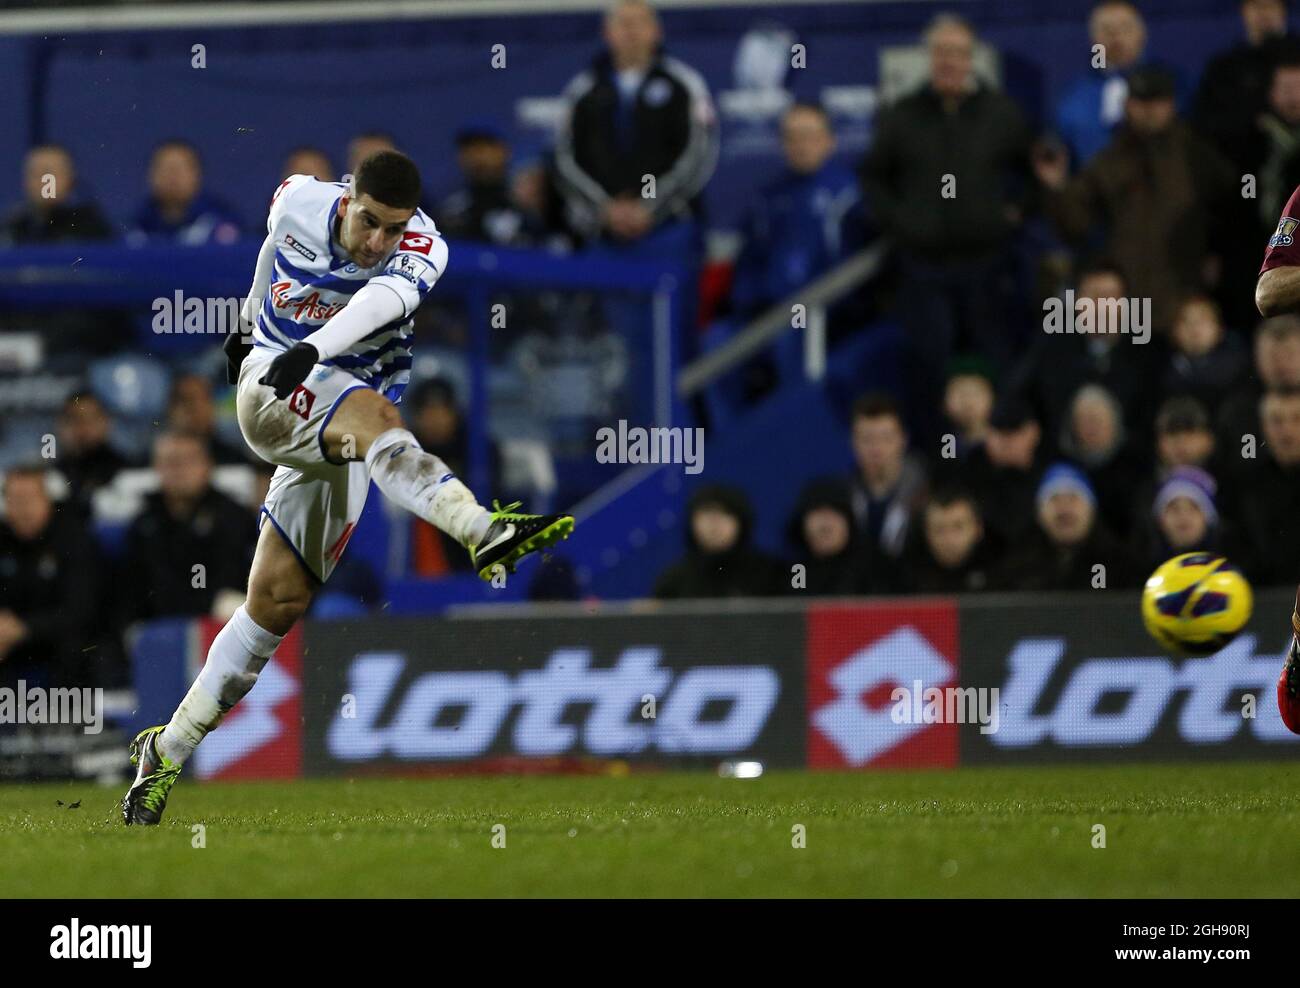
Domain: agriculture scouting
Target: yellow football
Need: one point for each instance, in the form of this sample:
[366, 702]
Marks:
[1196, 603]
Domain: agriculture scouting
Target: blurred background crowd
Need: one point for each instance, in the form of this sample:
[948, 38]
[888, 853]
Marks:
[991, 456]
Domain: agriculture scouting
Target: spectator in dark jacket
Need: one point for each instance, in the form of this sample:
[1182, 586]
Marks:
[1276, 145]
[484, 208]
[1004, 472]
[178, 210]
[1095, 440]
[1234, 87]
[719, 561]
[949, 553]
[189, 544]
[50, 578]
[1059, 363]
[836, 561]
[968, 399]
[944, 178]
[889, 483]
[434, 416]
[1183, 438]
[52, 211]
[1156, 191]
[1071, 549]
[192, 409]
[84, 454]
[1204, 360]
[1268, 516]
[1276, 366]
[635, 112]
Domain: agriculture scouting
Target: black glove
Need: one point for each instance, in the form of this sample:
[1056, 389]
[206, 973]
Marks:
[236, 350]
[290, 369]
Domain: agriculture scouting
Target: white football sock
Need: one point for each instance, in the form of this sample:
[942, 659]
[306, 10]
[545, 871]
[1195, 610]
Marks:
[238, 653]
[422, 484]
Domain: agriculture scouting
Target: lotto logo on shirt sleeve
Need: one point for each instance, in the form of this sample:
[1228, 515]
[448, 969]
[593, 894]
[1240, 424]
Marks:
[421, 243]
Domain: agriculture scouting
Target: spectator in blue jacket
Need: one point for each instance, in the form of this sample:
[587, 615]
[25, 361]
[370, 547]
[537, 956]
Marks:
[802, 224]
[178, 210]
[1093, 104]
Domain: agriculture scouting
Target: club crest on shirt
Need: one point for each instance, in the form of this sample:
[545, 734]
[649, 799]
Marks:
[1285, 230]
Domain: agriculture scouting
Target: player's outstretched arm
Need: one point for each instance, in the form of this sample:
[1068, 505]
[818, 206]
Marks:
[1278, 291]
[374, 306]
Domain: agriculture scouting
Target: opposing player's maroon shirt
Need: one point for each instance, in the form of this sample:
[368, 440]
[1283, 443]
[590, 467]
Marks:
[1284, 246]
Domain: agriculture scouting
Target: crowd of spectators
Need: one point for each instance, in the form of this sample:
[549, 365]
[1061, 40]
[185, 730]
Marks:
[1014, 458]
[1006, 457]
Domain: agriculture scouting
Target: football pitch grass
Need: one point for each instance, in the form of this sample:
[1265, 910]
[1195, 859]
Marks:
[1170, 830]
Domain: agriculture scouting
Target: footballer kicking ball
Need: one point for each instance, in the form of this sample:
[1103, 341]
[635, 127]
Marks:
[1196, 603]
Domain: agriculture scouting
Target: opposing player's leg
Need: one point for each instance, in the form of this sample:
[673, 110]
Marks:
[367, 426]
[1288, 683]
[279, 592]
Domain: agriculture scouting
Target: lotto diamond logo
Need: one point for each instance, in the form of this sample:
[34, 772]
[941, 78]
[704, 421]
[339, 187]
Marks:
[857, 657]
[417, 242]
[301, 402]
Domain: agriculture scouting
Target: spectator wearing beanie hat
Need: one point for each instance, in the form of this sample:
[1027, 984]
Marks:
[1070, 542]
[1186, 518]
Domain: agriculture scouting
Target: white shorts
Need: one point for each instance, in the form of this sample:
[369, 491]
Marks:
[313, 502]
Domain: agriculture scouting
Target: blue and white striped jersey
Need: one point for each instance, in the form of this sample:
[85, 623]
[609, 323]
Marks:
[312, 280]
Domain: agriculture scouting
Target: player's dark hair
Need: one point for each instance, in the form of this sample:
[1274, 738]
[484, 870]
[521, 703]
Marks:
[877, 404]
[389, 177]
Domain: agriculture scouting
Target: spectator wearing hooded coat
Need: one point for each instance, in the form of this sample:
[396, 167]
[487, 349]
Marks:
[719, 560]
[836, 561]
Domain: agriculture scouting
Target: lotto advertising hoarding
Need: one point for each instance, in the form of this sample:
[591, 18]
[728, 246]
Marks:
[1079, 680]
[935, 683]
[680, 689]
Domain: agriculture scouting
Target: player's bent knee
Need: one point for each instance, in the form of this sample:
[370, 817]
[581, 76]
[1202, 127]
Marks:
[362, 416]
